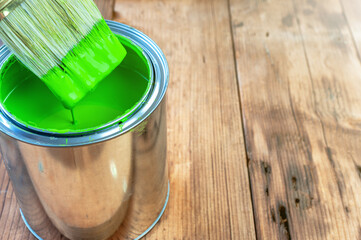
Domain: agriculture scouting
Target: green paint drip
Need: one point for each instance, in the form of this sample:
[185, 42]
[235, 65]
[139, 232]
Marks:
[89, 62]
[72, 116]
[29, 100]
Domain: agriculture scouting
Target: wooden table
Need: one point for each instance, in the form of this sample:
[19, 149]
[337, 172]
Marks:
[264, 118]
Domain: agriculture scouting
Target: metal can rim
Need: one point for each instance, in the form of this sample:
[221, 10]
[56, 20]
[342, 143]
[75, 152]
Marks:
[118, 120]
[161, 79]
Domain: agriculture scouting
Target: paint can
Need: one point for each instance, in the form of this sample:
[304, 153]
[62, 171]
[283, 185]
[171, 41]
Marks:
[89, 185]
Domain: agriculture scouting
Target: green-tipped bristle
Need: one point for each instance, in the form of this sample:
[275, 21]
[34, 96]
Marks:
[66, 43]
[97, 55]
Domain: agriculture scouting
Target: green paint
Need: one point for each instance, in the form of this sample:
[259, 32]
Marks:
[28, 99]
[89, 62]
[72, 116]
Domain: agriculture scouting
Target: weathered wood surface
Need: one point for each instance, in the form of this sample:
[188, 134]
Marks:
[106, 7]
[294, 68]
[299, 77]
[210, 197]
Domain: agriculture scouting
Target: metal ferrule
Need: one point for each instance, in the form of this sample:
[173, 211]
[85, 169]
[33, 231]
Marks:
[7, 6]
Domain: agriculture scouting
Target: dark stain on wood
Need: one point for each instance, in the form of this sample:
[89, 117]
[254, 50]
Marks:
[294, 183]
[238, 25]
[273, 215]
[266, 168]
[332, 21]
[307, 12]
[312, 3]
[284, 225]
[297, 202]
[358, 168]
[329, 156]
[340, 184]
[288, 20]
[310, 182]
[303, 186]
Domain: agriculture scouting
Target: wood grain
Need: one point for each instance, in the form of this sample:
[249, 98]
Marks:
[106, 7]
[11, 224]
[299, 81]
[297, 63]
[210, 196]
[351, 13]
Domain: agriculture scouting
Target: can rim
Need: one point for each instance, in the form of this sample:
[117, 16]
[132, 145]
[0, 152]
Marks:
[119, 119]
[155, 96]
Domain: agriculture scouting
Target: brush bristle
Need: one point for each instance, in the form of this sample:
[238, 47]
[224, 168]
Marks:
[63, 42]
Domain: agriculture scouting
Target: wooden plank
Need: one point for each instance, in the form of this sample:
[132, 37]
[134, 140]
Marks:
[210, 196]
[106, 7]
[11, 224]
[299, 81]
[351, 9]
[337, 103]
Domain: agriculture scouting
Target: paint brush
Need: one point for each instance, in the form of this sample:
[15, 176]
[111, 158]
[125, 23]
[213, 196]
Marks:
[66, 43]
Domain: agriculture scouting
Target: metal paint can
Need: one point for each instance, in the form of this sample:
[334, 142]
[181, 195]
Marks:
[93, 184]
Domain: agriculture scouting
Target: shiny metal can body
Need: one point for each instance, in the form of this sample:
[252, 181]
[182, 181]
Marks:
[90, 185]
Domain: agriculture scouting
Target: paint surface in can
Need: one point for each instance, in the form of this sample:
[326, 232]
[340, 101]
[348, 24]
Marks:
[31, 103]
